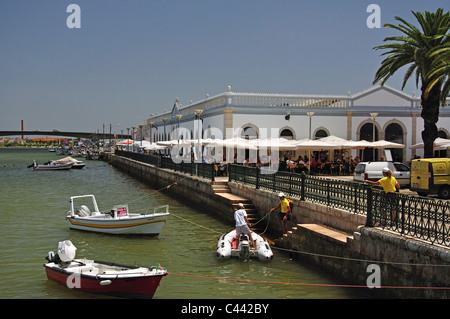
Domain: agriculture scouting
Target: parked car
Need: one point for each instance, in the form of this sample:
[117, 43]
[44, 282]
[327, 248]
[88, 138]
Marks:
[431, 176]
[373, 171]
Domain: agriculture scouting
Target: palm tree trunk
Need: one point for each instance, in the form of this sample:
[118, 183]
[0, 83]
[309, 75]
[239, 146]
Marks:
[430, 116]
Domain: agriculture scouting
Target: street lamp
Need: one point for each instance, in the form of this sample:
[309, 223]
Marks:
[110, 127]
[165, 137]
[151, 126]
[197, 116]
[374, 115]
[178, 116]
[142, 133]
[128, 136]
[132, 137]
[310, 114]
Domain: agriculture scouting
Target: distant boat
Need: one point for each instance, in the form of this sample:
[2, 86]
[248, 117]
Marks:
[101, 277]
[117, 221]
[51, 166]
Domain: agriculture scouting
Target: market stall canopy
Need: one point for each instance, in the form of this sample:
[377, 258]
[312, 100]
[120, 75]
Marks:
[357, 144]
[338, 141]
[281, 144]
[313, 145]
[438, 142]
[386, 144]
[149, 146]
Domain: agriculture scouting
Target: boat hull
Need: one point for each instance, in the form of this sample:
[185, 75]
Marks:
[127, 287]
[146, 225]
[53, 167]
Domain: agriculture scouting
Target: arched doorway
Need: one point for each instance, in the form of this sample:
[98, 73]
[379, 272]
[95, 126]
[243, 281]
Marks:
[366, 133]
[249, 132]
[394, 133]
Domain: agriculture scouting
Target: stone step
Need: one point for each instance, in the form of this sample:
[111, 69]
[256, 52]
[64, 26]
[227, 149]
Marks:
[322, 231]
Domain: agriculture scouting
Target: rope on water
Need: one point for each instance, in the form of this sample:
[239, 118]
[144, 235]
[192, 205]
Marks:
[304, 284]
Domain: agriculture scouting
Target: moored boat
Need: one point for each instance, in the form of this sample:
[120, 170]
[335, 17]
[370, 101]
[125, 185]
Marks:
[116, 221]
[101, 277]
[228, 247]
[51, 166]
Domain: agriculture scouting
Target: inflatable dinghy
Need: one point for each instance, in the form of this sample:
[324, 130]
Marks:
[227, 247]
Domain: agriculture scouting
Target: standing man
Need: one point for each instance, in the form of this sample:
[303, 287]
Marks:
[242, 224]
[285, 210]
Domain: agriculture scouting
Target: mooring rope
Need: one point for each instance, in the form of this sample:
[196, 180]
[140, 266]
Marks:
[303, 284]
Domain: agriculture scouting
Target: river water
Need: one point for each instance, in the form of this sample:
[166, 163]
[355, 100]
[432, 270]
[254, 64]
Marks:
[34, 205]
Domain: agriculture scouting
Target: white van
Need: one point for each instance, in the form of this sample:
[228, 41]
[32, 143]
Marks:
[373, 171]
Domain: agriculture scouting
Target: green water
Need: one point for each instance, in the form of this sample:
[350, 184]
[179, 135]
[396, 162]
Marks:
[34, 205]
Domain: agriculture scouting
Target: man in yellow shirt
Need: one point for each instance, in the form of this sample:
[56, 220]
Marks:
[285, 210]
[390, 186]
[388, 182]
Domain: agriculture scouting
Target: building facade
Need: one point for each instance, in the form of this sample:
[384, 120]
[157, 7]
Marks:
[378, 113]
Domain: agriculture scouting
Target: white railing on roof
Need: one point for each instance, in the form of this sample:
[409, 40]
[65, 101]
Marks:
[271, 100]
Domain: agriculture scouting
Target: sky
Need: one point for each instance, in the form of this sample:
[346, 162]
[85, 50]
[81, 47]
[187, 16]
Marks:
[132, 58]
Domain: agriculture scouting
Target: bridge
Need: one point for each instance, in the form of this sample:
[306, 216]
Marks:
[86, 135]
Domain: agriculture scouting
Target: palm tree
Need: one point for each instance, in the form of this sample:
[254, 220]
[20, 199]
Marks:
[441, 69]
[420, 48]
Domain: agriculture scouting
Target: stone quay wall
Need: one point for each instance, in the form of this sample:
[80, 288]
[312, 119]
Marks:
[379, 262]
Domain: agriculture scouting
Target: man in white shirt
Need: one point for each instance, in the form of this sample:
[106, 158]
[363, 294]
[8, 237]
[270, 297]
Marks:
[242, 224]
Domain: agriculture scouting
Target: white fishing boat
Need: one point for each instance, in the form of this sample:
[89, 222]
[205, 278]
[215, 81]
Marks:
[116, 221]
[101, 277]
[51, 166]
[228, 247]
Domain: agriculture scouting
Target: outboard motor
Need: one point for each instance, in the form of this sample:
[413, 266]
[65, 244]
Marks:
[83, 211]
[66, 251]
[244, 247]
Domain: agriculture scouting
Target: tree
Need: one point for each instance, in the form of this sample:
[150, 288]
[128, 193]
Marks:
[423, 50]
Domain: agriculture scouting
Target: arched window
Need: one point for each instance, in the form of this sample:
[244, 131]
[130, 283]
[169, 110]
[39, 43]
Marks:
[320, 133]
[287, 134]
[249, 133]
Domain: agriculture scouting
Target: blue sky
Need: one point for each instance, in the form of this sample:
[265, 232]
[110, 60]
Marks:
[132, 58]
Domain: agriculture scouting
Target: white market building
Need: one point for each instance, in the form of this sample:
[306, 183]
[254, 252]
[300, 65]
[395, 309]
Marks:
[395, 114]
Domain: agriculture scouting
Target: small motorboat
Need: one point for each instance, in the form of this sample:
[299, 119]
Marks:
[116, 221]
[101, 277]
[51, 166]
[76, 163]
[227, 247]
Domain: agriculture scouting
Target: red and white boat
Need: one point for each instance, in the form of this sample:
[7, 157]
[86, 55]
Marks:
[101, 277]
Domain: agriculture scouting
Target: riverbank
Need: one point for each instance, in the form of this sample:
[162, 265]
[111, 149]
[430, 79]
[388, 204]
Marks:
[403, 267]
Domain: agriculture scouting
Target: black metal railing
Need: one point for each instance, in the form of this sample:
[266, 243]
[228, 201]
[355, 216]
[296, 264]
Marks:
[204, 170]
[420, 217]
